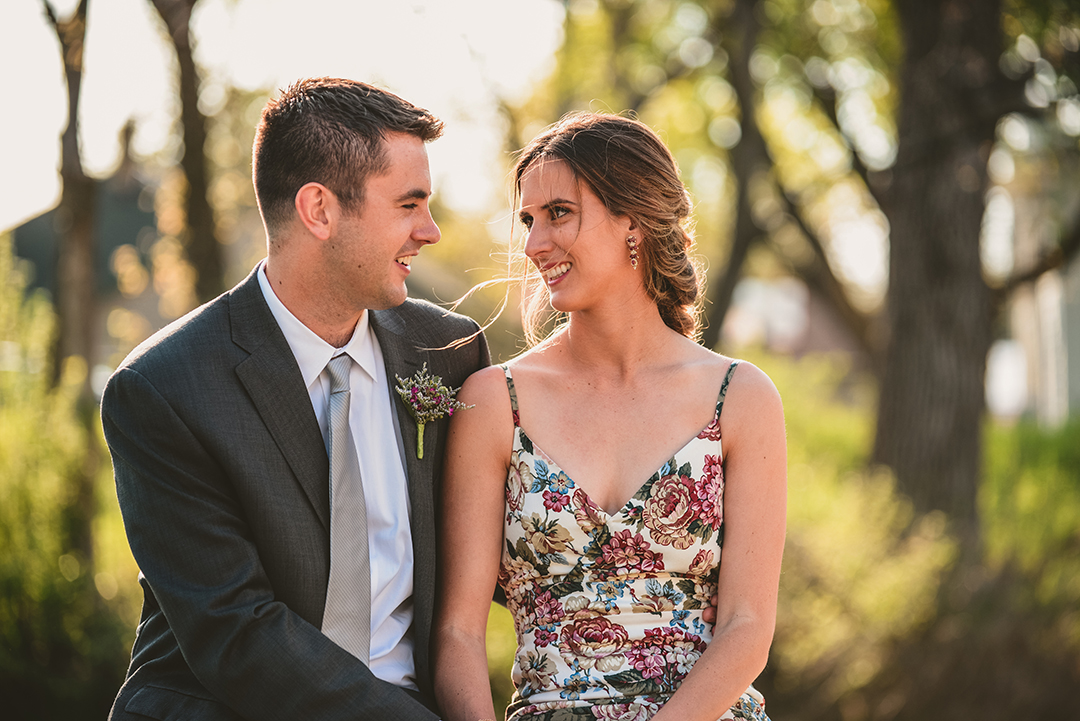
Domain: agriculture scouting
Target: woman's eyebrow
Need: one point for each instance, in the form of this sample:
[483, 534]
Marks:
[549, 204]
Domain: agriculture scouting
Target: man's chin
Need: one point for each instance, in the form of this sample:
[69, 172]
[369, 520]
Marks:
[391, 300]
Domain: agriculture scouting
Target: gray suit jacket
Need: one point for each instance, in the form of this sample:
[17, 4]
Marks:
[222, 478]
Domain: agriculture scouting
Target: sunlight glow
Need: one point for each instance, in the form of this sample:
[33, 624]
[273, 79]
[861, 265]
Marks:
[457, 59]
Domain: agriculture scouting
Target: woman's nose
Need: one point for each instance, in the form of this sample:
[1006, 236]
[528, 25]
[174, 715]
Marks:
[537, 242]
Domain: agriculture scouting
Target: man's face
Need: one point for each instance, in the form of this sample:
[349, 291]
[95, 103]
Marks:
[370, 254]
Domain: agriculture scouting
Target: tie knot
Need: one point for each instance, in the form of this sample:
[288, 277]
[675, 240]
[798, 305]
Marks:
[339, 367]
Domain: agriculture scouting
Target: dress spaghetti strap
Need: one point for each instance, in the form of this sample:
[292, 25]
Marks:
[513, 393]
[719, 401]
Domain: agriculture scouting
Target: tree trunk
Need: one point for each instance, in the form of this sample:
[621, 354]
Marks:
[75, 300]
[202, 245]
[748, 158]
[939, 305]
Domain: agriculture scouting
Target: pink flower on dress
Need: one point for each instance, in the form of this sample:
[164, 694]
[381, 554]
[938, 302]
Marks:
[702, 563]
[669, 511]
[547, 609]
[708, 500]
[665, 652]
[712, 431]
[629, 552]
[594, 642]
[556, 501]
[636, 711]
[647, 659]
[587, 513]
[543, 638]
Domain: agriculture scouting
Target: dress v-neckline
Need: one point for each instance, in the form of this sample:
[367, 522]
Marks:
[700, 434]
[537, 450]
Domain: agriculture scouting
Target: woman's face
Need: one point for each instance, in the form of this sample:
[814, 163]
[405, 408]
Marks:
[578, 246]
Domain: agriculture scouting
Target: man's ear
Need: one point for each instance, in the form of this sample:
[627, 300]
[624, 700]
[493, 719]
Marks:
[317, 207]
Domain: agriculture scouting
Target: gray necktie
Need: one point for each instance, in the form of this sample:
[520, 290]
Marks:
[347, 617]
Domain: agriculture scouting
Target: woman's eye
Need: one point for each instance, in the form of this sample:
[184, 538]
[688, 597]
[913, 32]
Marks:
[526, 220]
[558, 211]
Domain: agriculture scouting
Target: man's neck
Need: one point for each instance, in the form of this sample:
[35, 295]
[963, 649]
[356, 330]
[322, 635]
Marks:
[304, 302]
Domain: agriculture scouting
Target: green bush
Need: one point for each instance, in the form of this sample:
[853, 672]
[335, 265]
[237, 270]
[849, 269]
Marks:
[65, 620]
[861, 570]
[1029, 503]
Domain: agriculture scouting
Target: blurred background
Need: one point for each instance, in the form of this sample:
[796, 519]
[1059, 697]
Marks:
[885, 199]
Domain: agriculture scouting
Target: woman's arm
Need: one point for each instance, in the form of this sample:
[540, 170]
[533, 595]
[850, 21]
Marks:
[755, 507]
[470, 544]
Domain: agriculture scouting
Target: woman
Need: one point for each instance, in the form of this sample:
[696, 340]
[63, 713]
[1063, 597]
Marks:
[607, 562]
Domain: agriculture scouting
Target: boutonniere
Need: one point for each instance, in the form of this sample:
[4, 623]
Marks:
[427, 400]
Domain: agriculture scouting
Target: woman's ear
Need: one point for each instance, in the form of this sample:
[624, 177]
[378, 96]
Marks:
[317, 208]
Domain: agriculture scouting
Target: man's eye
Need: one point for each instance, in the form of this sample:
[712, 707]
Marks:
[409, 206]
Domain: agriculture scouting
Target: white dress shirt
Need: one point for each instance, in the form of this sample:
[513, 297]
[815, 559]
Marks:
[386, 492]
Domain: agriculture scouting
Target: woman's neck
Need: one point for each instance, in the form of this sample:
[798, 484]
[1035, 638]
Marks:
[620, 342]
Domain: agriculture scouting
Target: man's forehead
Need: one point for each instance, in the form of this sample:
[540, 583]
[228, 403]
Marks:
[407, 173]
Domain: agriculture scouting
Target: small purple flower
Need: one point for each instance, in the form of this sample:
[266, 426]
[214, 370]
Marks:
[428, 400]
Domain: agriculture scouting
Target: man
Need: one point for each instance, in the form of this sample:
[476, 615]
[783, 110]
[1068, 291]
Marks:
[238, 482]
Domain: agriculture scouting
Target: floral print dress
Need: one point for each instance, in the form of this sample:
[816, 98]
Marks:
[607, 609]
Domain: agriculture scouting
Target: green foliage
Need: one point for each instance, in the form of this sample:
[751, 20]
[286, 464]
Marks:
[860, 569]
[64, 634]
[501, 647]
[1030, 507]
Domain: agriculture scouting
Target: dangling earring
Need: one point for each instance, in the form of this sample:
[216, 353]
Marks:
[632, 242]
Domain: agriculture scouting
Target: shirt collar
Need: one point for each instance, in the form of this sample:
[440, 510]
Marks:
[312, 353]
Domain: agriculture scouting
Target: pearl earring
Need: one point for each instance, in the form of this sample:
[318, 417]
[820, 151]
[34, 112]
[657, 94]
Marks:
[632, 242]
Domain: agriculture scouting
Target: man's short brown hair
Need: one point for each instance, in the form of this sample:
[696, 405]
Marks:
[329, 131]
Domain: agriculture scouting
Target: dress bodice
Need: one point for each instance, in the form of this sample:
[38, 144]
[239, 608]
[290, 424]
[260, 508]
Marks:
[607, 608]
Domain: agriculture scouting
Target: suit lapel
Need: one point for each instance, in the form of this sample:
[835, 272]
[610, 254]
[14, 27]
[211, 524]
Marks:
[272, 379]
[402, 358]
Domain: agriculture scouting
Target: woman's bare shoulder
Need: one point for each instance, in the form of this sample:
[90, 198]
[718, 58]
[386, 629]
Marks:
[486, 386]
[750, 380]
[752, 398]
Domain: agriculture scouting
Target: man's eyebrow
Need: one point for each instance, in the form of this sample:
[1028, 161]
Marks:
[414, 194]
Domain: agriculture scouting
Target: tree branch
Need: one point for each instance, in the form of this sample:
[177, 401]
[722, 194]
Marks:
[828, 99]
[1068, 247]
[819, 275]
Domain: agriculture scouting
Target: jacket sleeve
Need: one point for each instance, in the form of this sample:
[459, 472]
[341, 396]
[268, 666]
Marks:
[197, 551]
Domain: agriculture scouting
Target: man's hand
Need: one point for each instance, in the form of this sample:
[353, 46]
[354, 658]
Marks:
[708, 614]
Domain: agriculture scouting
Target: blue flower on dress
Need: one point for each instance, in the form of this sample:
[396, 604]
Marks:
[679, 619]
[609, 593]
[560, 482]
[577, 684]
